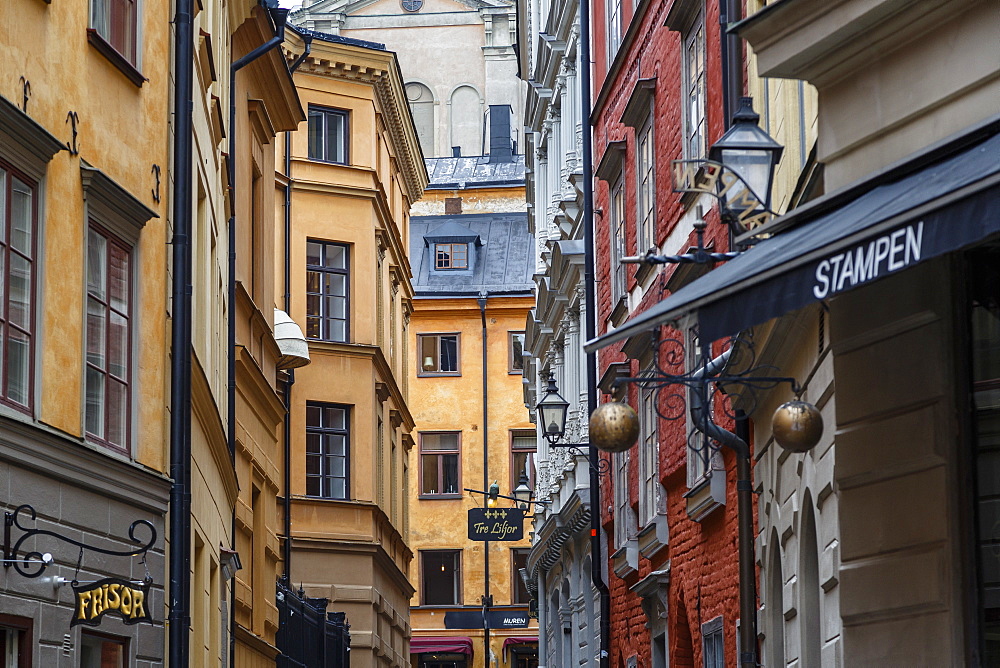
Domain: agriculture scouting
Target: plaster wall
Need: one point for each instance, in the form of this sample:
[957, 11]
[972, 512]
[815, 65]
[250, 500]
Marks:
[456, 404]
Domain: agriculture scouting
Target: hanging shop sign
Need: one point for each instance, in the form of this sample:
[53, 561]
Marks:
[473, 619]
[111, 596]
[496, 524]
[127, 599]
[708, 177]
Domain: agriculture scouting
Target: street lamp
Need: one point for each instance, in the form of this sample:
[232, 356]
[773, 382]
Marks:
[522, 492]
[552, 412]
[750, 153]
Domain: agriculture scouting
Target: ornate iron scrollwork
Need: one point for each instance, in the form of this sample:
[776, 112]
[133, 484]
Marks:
[34, 559]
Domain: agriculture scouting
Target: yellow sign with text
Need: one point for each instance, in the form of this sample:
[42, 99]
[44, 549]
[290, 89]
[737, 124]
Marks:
[123, 598]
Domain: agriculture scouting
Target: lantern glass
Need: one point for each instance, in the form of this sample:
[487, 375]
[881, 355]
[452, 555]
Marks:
[552, 413]
[750, 152]
[522, 492]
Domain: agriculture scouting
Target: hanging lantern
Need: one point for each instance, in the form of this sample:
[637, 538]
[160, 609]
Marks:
[797, 426]
[614, 427]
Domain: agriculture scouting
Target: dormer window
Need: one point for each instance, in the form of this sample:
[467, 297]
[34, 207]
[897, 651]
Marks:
[451, 256]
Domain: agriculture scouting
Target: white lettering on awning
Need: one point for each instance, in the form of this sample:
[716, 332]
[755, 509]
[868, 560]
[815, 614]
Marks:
[866, 262]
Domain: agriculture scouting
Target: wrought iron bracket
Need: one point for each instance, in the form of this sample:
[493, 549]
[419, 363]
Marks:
[11, 550]
[603, 467]
[501, 496]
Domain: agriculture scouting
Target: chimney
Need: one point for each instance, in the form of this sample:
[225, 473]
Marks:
[456, 151]
[501, 149]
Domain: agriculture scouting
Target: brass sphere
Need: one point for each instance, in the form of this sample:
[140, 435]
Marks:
[797, 426]
[614, 427]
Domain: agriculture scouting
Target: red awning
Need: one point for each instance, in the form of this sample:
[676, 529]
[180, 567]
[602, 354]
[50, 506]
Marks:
[441, 644]
[518, 640]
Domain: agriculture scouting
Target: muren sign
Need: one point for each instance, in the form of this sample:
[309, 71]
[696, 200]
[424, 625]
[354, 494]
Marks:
[499, 524]
[713, 178]
[124, 598]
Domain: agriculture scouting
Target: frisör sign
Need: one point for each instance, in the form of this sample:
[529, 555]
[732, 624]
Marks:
[112, 596]
[496, 524]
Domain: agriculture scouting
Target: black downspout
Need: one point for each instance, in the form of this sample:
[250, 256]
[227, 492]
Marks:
[280, 17]
[596, 547]
[732, 60]
[487, 599]
[748, 569]
[179, 620]
[287, 548]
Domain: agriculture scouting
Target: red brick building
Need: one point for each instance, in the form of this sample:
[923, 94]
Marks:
[672, 529]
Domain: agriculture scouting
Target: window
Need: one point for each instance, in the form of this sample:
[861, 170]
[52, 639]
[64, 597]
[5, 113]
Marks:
[694, 90]
[451, 256]
[327, 450]
[523, 444]
[519, 591]
[16, 641]
[698, 453]
[109, 288]
[613, 8]
[516, 352]
[646, 186]
[439, 660]
[18, 215]
[421, 101]
[412, 5]
[328, 135]
[618, 247]
[712, 646]
[649, 467]
[439, 464]
[438, 354]
[101, 651]
[442, 577]
[327, 304]
[624, 517]
[114, 21]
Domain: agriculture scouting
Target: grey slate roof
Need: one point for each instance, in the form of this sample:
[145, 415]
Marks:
[338, 39]
[502, 262]
[474, 172]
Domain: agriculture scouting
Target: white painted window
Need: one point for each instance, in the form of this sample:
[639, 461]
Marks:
[694, 90]
[625, 519]
[698, 452]
[646, 187]
[618, 247]
[649, 467]
[613, 10]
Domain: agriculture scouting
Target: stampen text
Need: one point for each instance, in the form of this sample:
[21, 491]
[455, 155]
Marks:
[866, 262]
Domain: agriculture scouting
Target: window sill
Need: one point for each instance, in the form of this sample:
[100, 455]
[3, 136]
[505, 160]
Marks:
[439, 497]
[117, 59]
[440, 374]
[654, 537]
[329, 162]
[625, 561]
[706, 497]
[108, 445]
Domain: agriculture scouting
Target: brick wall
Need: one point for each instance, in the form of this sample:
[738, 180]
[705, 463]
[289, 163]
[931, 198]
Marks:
[703, 557]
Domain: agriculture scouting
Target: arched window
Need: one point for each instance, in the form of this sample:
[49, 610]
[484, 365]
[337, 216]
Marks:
[422, 107]
[467, 120]
[775, 633]
[810, 625]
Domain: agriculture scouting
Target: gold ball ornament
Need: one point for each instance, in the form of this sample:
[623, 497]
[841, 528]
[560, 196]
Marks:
[797, 426]
[614, 427]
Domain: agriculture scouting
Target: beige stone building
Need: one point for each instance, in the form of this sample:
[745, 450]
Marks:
[355, 170]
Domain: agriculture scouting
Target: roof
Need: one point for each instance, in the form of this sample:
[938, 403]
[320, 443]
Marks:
[502, 262]
[474, 172]
[337, 39]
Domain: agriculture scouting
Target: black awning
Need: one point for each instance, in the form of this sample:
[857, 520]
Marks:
[938, 209]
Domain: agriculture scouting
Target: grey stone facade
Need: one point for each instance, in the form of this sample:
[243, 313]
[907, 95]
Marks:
[91, 496]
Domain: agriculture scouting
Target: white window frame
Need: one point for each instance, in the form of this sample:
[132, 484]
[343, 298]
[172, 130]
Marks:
[613, 10]
[650, 491]
[710, 631]
[645, 185]
[693, 90]
[625, 519]
[699, 466]
[618, 241]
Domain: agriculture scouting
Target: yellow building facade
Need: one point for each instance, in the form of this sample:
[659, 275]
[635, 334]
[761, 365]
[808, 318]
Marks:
[472, 276]
[84, 153]
[355, 168]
